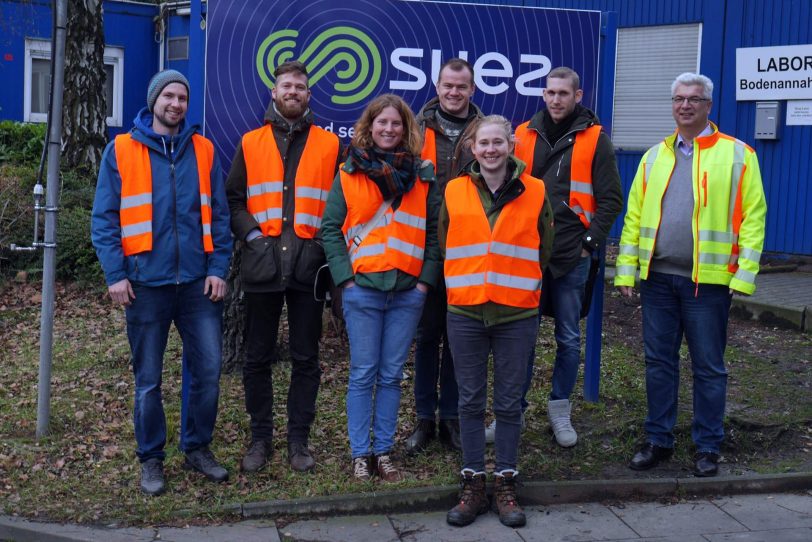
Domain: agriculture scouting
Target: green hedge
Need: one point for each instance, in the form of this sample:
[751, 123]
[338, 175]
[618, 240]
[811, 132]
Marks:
[20, 149]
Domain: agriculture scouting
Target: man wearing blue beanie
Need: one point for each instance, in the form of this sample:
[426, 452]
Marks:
[160, 226]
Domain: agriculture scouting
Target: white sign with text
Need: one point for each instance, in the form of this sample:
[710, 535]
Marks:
[774, 73]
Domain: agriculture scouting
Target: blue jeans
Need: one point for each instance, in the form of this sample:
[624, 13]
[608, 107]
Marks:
[430, 366]
[670, 310]
[567, 294]
[199, 322]
[471, 343]
[380, 326]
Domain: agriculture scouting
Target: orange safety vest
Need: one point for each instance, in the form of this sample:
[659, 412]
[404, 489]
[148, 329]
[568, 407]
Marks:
[399, 239]
[266, 172]
[430, 147]
[582, 199]
[499, 265]
[135, 213]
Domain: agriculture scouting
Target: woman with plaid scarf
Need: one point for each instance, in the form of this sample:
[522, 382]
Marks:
[380, 237]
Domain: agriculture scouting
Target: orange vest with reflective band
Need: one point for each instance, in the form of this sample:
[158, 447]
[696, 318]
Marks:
[399, 239]
[582, 200]
[135, 214]
[265, 173]
[430, 147]
[499, 265]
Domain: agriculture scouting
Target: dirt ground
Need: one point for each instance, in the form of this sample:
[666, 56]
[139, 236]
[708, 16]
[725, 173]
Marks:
[769, 403]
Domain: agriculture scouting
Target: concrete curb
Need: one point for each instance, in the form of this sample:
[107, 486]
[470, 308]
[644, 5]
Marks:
[530, 493]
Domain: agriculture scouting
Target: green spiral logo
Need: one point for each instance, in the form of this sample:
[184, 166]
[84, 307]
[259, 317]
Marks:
[350, 52]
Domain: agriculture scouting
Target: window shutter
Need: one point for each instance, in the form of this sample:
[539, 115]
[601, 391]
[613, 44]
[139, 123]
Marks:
[648, 60]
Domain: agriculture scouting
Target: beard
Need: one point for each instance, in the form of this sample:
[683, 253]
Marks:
[291, 110]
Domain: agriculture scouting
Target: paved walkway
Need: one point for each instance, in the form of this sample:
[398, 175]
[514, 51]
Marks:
[781, 517]
[780, 298]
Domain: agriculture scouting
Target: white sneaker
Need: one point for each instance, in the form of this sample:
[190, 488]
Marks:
[559, 414]
[490, 431]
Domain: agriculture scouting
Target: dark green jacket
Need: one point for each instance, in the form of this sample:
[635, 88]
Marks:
[335, 247]
[491, 313]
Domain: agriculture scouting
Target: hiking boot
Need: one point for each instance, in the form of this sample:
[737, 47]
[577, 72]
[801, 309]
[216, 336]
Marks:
[472, 502]
[504, 499]
[300, 457]
[257, 455]
[559, 414]
[360, 469]
[386, 470]
[202, 460]
[450, 434]
[423, 434]
[152, 477]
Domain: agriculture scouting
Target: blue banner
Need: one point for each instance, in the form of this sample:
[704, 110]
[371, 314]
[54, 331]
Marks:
[356, 50]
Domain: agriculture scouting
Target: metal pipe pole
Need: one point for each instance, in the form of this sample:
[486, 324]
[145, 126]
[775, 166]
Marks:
[51, 199]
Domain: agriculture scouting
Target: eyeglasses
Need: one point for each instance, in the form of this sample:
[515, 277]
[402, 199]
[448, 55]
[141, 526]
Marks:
[693, 100]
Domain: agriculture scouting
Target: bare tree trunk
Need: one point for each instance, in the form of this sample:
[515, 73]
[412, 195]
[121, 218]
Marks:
[84, 117]
[234, 316]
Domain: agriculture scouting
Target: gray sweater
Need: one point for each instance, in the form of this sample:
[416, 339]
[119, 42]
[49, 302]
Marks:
[673, 251]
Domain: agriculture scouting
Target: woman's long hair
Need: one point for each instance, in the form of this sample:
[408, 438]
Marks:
[412, 140]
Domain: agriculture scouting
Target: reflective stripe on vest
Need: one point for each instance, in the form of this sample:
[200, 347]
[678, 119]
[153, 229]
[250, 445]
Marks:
[399, 239]
[582, 199]
[135, 170]
[265, 173]
[499, 265]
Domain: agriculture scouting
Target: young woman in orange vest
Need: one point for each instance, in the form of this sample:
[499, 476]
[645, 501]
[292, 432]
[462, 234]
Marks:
[496, 232]
[380, 236]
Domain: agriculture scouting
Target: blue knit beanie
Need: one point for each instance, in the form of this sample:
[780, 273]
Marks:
[159, 82]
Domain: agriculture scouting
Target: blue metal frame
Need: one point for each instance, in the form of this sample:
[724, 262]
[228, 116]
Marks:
[594, 322]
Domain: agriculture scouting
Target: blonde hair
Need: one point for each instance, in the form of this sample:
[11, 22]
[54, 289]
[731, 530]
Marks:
[412, 139]
[469, 135]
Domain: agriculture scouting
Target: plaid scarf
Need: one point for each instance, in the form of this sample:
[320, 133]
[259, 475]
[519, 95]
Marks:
[394, 173]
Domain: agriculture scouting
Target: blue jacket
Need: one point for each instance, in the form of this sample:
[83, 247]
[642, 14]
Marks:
[177, 254]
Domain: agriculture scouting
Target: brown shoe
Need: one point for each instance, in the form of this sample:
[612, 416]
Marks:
[504, 500]
[360, 469]
[299, 457]
[473, 500]
[386, 470]
[257, 455]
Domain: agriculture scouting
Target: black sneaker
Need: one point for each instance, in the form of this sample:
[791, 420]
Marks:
[202, 460]
[152, 477]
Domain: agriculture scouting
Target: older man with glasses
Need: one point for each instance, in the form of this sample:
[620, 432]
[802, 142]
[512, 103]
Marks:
[695, 227]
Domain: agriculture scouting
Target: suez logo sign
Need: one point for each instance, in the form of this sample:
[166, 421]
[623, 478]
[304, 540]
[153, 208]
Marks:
[357, 63]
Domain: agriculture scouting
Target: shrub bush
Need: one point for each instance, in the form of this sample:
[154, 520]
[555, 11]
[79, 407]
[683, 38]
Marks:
[75, 256]
[21, 143]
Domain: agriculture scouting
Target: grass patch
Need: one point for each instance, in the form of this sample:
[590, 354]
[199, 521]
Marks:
[86, 471]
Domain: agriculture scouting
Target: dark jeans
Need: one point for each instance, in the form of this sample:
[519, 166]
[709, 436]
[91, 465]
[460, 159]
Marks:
[430, 366]
[262, 312]
[567, 293]
[672, 306]
[199, 322]
[471, 343]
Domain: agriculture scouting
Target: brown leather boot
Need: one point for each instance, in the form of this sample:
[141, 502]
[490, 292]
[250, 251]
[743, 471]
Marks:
[504, 499]
[473, 500]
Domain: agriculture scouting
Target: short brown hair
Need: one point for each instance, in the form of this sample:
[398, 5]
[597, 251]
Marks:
[291, 66]
[563, 72]
[456, 65]
[412, 139]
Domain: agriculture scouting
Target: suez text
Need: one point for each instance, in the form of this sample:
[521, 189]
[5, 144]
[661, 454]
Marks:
[491, 65]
